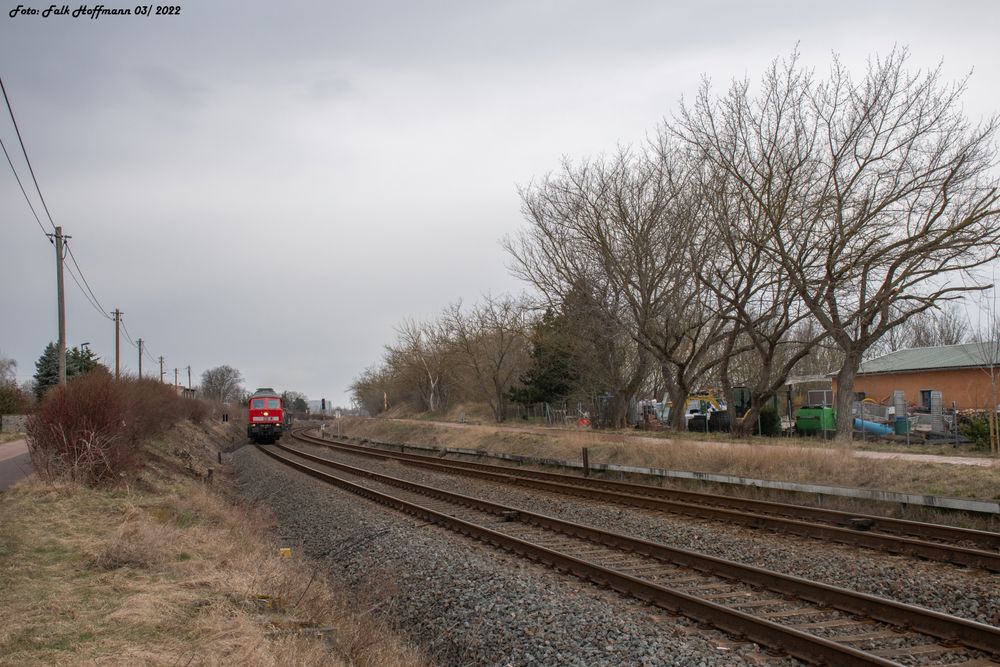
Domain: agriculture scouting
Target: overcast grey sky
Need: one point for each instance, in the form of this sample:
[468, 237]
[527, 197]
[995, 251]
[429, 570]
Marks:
[274, 186]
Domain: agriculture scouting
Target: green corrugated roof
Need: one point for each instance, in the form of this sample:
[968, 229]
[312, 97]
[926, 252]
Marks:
[933, 358]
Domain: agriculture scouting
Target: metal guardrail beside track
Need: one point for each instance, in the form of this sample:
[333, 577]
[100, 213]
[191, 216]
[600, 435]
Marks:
[511, 525]
[874, 532]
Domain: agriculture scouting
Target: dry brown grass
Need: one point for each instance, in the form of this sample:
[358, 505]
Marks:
[10, 437]
[789, 462]
[166, 571]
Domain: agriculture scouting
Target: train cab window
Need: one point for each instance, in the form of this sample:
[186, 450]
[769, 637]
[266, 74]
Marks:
[273, 403]
[257, 404]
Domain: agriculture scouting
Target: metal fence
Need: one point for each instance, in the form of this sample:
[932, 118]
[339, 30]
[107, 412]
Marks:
[561, 413]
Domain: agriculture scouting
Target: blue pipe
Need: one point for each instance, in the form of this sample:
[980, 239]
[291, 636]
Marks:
[872, 427]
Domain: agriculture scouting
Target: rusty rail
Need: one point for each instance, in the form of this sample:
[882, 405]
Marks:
[800, 644]
[778, 517]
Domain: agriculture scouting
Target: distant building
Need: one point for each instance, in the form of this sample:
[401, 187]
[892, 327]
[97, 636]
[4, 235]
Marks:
[184, 391]
[960, 372]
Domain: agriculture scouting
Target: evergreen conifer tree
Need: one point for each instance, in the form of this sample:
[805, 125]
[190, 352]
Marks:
[78, 362]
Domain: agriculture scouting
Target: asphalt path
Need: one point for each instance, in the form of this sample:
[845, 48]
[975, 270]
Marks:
[15, 462]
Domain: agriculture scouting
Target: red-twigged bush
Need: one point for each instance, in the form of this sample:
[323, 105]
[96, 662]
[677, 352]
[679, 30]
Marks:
[90, 431]
[80, 431]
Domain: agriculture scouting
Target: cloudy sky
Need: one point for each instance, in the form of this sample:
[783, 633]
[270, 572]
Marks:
[274, 186]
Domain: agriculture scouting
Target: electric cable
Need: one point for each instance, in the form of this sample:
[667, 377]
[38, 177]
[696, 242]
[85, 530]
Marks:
[72, 275]
[23, 191]
[127, 334]
[84, 278]
[10, 110]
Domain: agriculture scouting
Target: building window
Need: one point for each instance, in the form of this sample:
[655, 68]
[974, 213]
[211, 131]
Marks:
[925, 398]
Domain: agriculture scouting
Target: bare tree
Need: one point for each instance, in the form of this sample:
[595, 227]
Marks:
[878, 194]
[491, 340]
[623, 226]
[824, 358]
[423, 351]
[752, 292]
[942, 325]
[223, 384]
[371, 389]
[607, 360]
[13, 399]
[8, 370]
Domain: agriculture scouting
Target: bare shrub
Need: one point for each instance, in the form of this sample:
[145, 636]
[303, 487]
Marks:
[90, 430]
[80, 432]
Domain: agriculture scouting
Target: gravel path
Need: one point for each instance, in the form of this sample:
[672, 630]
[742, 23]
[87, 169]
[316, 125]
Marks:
[467, 603]
[968, 593]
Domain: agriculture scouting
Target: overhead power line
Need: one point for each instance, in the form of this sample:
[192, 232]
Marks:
[78, 276]
[88, 292]
[23, 191]
[83, 291]
[127, 335]
[10, 110]
[84, 278]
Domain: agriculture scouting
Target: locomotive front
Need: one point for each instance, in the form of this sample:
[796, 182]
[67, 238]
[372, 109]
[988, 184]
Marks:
[265, 416]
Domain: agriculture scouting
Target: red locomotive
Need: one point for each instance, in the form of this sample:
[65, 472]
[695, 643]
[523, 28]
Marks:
[265, 416]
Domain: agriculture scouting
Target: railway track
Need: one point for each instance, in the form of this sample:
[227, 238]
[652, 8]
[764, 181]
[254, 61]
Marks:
[815, 622]
[970, 548]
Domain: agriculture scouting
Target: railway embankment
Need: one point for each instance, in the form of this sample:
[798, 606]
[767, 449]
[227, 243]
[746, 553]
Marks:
[169, 566]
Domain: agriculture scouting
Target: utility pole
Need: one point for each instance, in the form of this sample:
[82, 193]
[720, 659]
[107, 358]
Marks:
[118, 326]
[140, 358]
[161, 370]
[61, 298]
[176, 384]
[189, 377]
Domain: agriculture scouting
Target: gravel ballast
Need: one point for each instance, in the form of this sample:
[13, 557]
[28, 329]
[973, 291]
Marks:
[468, 603]
[969, 593]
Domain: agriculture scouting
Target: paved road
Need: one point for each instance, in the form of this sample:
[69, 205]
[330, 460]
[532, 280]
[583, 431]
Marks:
[15, 462]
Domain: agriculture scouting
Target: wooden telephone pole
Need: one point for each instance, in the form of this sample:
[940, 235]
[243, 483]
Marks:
[140, 358]
[176, 383]
[161, 370]
[189, 377]
[118, 351]
[61, 297]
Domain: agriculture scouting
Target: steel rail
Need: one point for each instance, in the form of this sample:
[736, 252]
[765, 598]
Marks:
[935, 624]
[733, 511]
[797, 643]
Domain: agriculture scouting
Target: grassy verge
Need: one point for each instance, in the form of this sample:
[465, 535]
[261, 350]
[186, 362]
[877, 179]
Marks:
[167, 570]
[793, 462]
[10, 437]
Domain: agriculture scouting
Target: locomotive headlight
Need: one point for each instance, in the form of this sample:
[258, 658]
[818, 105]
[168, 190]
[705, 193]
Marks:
[265, 413]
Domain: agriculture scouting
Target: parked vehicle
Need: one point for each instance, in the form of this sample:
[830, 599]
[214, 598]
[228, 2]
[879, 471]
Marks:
[702, 404]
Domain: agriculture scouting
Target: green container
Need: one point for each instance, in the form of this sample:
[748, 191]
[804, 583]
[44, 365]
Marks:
[814, 420]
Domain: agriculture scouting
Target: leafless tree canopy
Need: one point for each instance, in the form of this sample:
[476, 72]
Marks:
[223, 384]
[800, 223]
[878, 196]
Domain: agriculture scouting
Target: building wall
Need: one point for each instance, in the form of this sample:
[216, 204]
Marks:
[968, 387]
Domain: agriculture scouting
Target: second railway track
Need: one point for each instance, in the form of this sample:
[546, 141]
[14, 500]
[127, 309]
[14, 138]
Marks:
[970, 548]
[815, 622]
